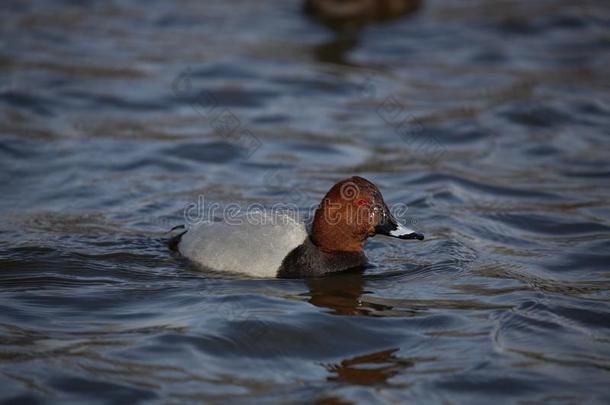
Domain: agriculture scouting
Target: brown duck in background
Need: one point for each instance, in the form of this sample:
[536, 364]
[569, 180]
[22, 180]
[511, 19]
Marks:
[347, 15]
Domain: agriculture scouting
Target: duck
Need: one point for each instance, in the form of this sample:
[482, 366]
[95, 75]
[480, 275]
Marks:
[353, 14]
[274, 245]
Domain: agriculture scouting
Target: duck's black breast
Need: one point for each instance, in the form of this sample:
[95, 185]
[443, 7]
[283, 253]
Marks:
[306, 260]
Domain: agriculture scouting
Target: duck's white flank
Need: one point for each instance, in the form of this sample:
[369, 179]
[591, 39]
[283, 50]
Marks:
[256, 245]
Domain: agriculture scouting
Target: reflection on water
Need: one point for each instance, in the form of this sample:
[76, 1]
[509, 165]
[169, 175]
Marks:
[370, 369]
[488, 120]
[336, 50]
[341, 293]
[353, 15]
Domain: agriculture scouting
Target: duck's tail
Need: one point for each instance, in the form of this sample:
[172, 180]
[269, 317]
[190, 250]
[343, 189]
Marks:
[175, 235]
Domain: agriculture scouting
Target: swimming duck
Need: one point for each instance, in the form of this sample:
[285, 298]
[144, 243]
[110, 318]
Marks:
[350, 14]
[273, 245]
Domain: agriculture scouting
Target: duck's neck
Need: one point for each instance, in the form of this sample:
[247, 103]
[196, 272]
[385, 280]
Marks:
[335, 240]
[334, 237]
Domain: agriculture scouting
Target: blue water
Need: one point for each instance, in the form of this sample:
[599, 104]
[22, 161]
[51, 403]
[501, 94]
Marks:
[488, 120]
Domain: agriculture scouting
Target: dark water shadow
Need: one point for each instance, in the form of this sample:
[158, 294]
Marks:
[369, 369]
[336, 50]
[353, 15]
[347, 19]
[340, 292]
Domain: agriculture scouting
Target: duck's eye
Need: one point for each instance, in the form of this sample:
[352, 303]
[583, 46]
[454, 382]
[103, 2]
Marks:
[362, 202]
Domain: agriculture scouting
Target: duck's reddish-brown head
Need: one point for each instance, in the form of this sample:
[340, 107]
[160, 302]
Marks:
[352, 211]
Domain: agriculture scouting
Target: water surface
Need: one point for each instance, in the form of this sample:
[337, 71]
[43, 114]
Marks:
[489, 120]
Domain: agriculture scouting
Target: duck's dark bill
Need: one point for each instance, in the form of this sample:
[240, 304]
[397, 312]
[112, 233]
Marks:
[412, 235]
[397, 230]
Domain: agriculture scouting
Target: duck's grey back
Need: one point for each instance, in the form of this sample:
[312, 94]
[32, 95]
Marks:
[254, 244]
